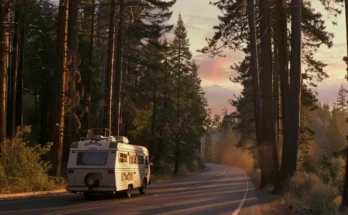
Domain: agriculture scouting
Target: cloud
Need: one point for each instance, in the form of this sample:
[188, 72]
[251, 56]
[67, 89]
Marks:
[218, 70]
[218, 96]
[328, 90]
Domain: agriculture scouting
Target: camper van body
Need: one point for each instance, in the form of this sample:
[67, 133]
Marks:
[107, 165]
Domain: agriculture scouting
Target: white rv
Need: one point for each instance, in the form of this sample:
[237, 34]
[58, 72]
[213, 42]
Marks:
[106, 165]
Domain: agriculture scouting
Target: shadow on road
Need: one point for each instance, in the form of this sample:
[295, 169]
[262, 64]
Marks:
[220, 194]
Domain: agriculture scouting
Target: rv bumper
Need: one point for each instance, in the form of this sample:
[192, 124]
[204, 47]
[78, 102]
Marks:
[97, 189]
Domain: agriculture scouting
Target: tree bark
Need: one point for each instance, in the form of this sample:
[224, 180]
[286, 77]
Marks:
[87, 119]
[11, 105]
[344, 204]
[177, 152]
[118, 78]
[255, 78]
[110, 69]
[154, 108]
[281, 29]
[276, 91]
[295, 85]
[3, 67]
[73, 70]
[19, 93]
[59, 104]
[268, 147]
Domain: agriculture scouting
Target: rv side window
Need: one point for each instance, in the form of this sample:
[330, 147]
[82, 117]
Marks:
[132, 159]
[122, 158]
[92, 158]
[140, 159]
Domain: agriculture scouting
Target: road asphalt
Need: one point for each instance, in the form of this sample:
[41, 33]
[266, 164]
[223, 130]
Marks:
[219, 190]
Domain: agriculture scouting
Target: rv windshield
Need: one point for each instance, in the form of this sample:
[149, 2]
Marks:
[92, 158]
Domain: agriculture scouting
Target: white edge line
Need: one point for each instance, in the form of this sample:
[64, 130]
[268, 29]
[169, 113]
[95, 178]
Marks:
[236, 212]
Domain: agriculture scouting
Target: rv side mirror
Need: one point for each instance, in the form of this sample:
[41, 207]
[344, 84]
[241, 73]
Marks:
[151, 164]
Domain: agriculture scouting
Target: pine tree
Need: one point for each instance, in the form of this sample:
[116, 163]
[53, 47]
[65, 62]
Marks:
[4, 50]
[344, 204]
[268, 146]
[118, 70]
[58, 124]
[179, 58]
[12, 90]
[255, 76]
[109, 86]
[341, 102]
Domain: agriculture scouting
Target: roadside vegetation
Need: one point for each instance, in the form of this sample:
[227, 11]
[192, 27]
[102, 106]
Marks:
[24, 165]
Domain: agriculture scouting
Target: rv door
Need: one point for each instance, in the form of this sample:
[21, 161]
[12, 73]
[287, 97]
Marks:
[147, 167]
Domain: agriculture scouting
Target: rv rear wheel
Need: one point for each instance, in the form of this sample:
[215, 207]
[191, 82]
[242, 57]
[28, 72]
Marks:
[128, 192]
[143, 187]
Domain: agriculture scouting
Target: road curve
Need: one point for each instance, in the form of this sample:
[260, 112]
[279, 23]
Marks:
[220, 190]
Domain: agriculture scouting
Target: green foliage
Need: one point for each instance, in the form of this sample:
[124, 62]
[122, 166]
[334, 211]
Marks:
[341, 102]
[165, 100]
[22, 168]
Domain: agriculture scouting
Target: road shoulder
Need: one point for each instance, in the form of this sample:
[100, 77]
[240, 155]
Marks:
[270, 204]
[30, 194]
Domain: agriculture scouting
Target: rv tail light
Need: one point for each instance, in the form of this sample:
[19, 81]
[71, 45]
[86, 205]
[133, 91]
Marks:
[111, 171]
[70, 171]
[113, 152]
[73, 152]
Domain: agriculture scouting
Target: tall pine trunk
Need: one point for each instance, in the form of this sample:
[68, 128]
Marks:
[3, 67]
[19, 92]
[87, 119]
[268, 147]
[255, 77]
[154, 109]
[281, 29]
[177, 152]
[344, 204]
[110, 69]
[60, 78]
[118, 78]
[73, 69]
[295, 85]
[11, 105]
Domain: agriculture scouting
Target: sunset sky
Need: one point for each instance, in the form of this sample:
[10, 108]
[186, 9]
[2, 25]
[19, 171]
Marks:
[199, 17]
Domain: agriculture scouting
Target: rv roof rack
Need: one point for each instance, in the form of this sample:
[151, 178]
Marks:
[121, 139]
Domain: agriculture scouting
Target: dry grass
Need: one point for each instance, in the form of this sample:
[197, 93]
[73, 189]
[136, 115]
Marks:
[306, 192]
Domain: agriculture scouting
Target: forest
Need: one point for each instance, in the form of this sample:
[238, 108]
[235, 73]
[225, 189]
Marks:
[298, 144]
[70, 66]
[73, 65]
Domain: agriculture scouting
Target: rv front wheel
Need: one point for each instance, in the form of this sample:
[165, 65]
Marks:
[128, 192]
[142, 189]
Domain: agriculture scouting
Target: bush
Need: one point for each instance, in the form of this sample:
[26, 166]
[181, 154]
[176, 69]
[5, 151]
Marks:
[307, 192]
[21, 166]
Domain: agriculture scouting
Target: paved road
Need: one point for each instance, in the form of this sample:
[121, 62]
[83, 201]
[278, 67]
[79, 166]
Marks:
[220, 190]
